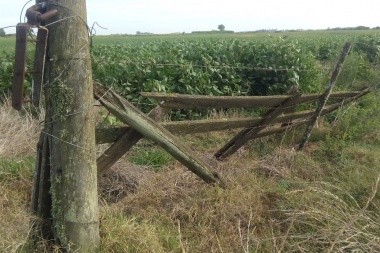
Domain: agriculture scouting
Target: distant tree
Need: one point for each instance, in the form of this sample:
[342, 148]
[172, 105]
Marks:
[2, 32]
[221, 27]
[138, 32]
[361, 27]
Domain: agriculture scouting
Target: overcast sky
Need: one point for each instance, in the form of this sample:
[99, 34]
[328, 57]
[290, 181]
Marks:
[169, 16]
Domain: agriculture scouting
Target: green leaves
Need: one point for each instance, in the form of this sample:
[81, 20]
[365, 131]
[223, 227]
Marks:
[232, 67]
[208, 67]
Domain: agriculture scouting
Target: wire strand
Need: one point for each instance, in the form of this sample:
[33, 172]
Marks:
[60, 20]
[22, 10]
[207, 66]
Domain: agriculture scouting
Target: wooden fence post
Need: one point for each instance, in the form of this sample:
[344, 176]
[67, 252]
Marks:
[67, 150]
[323, 99]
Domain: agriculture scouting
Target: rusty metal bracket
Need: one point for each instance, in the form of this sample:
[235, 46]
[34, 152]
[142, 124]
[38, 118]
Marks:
[35, 17]
[36, 14]
[19, 67]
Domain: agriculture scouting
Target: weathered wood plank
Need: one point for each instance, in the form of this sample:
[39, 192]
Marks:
[239, 140]
[180, 101]
[111, 134]
[275, 130]
[130, 115]
[124, 143]
[69, 126]
[105, 134]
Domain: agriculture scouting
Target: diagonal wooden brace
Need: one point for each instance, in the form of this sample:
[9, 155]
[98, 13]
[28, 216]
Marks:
[124, 143]
[247, 134]
[130, 115]
[323, 99]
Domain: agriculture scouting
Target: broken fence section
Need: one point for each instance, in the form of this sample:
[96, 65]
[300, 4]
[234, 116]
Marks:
[281, 115]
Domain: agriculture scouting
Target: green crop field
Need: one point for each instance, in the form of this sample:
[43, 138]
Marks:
[112, 39]
[215, 63]
[323, 199]
[7, 43]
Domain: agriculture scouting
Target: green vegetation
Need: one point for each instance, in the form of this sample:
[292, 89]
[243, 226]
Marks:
[14, 169]
[243, 64]
[7, 42]
[221, 27]
[233, 67]
[151, 157]
[324, 199]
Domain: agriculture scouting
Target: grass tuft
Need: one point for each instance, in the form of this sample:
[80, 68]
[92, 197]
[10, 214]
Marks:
[19, 130]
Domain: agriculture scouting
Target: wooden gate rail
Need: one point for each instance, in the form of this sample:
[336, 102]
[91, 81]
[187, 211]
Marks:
[254, 127]
[181, 101]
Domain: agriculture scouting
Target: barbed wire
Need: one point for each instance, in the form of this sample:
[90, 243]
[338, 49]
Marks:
[72, 144]
[22, 9]
[10, 26]
[326, 70]
[60, 20]
[93, 30]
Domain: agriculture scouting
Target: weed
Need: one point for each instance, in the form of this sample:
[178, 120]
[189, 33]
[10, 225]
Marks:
[16, 169]
[154, 158]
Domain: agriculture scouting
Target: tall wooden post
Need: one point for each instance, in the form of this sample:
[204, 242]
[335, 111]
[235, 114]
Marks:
[70, 133]
[325, 96]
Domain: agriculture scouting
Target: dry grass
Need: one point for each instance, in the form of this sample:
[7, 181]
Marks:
[18, 138]
[189, 216]
[14, 218]
[277, 200]
[332, 221]
[18, 130]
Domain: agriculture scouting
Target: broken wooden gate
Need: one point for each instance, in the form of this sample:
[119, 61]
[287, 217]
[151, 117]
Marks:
[281, 115]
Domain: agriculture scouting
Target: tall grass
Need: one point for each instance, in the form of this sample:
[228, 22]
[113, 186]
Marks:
[18, 135]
